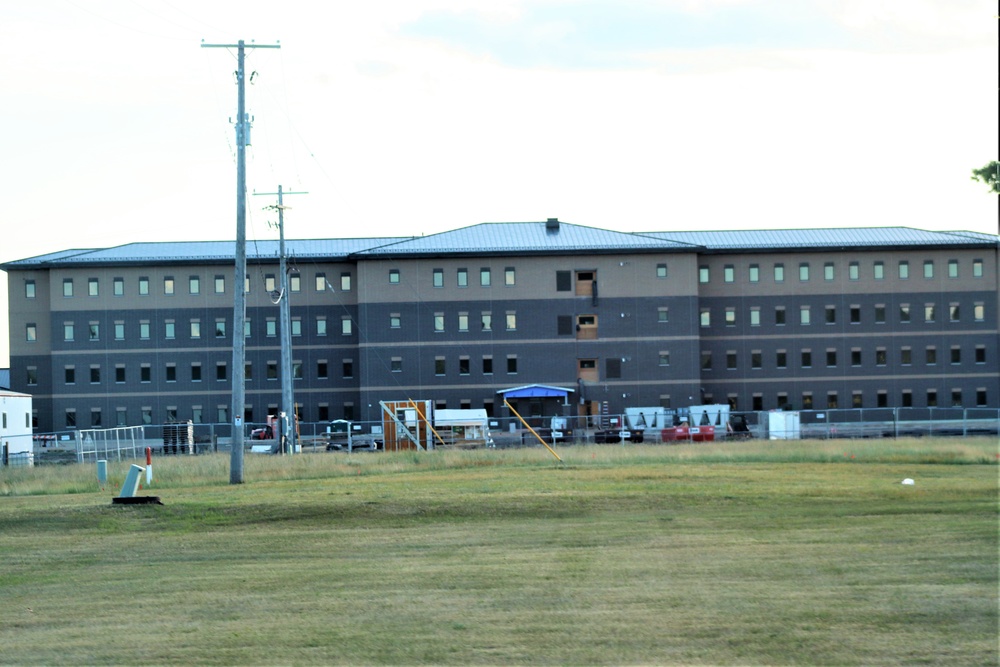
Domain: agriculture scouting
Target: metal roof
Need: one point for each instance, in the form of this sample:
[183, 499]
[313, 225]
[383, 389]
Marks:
[857, 237]
[535, 391]
[552, 236]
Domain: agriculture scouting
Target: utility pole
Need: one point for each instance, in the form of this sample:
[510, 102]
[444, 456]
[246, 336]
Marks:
[289, 433]
[239, 288]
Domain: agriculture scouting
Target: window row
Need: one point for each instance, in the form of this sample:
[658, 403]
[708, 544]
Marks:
[906, 313]
[830, 357]
[169, 284]
[194, 329]
[854, 271]
[195, 373]
[932, 398]
[461, 277]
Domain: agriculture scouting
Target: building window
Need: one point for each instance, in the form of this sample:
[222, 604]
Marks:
[831, 314]
[977, 268]
[220, 284]
[69, 332]
[828, 271]
[168, 285]
[905, 355]
[756, 359]
[664, 358]
[953, 268]
[853, 271]
[509, 277]
[805, 315]
[195, 328]
[730, 316]
[807, 400]
[754, 272]
[663, 314]
[857, 399]
[345, 281]
[779, 316]
[882, 399]
[804, 272]
[855, 356]
[661, 270]
[220, 371]
[145, 373]
[564, 281]
[904, 313]
[929, 312]
[393, 276]
[463, 322]
[67, 287]
[246, 328]
[956, 354]
[953, 312]
[247, 371]
[807, 358]
[346, 326]
[706, 360]
[31, 375]
[31, 332]
[904, 270]
[705, 317]
[438, 278]
[928, 268]
[906, 398]
[321, 325]
[69, 375]
[294, 282]
[93, 287]
[297, 370]
[930, 355]
[979, 312]
[270, 284]
[880, 313]
[729, 273]
[169, 329]
[119, 373]
[511, 365]
[781, 359]
[270, 327]
[143, 286]
[511, 319]
[981, 397]
[438, 322]
[779, 273]
[119, 330]
[703, 274]
[394, 321]
[196, 372]
[484, 277]
[831, 400]
[463, 365]
[439, 366]
[487, 365]
[855, 313]
[396, 365]
[463, 277]
[296, 326]
[70, 418]
[831, 358]
[171, 373]
[321, 369]
[932, 398]
[878, 270]
[487, 321]
[881, 357]
[29, 289]
[220, 328]
[194, 285]
[980, 354]
[94, 331]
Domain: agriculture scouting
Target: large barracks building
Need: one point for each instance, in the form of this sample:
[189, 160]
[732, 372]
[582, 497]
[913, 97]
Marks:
[761, 320]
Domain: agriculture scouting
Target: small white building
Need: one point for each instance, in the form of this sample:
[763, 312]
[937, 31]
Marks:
[15, 428]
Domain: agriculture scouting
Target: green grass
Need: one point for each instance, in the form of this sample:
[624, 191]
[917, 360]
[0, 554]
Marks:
[745, 553]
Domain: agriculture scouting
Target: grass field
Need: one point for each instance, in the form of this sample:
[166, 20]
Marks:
[778, 553]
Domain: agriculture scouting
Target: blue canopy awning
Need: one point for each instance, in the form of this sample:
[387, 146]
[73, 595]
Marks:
[535, 391]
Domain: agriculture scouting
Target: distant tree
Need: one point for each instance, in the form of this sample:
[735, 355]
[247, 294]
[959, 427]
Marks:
[990, 175]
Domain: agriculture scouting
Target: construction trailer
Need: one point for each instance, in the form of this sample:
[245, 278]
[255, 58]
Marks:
[417, 425]
[16, 444]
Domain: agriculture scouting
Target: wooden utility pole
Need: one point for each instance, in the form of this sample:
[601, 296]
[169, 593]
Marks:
[289, 432]
[239, 289]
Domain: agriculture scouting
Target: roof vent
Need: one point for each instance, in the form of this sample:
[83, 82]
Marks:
[552, 225]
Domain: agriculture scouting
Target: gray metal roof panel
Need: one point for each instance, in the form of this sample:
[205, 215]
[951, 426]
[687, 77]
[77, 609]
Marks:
[525, 237]
[872, 237]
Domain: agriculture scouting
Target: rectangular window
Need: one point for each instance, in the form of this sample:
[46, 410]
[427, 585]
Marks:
[438, 322]
[69, 375]
[904, 270]
[438, 278]
[928, 268]
[755, 316]
[463, 322]
[30, 332]
[462, 277]
[932, 398]
[779, 273]
[94, 331]
[854, 271]
[855, 356]
[95, 417]
[346, 327]
[805, 315]
[393, 276]
[93, 287]
[345, 281]
[661, 270]
[487, 321]
[979, 312]
[706, 360]
[295, 282]
[319, 281]
[194, 284]
[779, 316]
[930, 354]
[828, 271]
[804, 272]
[220, 327]
[880, 313]
[977, 268]
[271, 327]
[220, 284]
[831, 400]
[487, 365]
[121, 417]
[729, 273]
[169, 329]
[31, 375]
[484, 277]
[664, 358]
[119, 373]
[67, 287]
[956, 398]
[564, 325]
[347, 368]
[906, 398]
[463, 365]
[929, 312]
[247, 371]
[980, 354]
[953, 268]
[878, 270]
[270, 283]
[321, 325]
[705, 317]
[881, 357]
[831, 358]
[904, 313]
[756, 359]
[905, 356]
[145, 373]
[196, 372]
[511, 365]
[781, 359]
[807, 358]
[321, 369]
[246, 328]
[509, 276]
[69, 332]
[168, 285]
[171, 373]
[855, 313]
[29, 289]
[953, 312]
[981, 397]
[143, 286]
[394, 321]
[754, 272]
[663, 314]
[857, 399]
[220, 371]
[195, 328]
[831, 314]
[440, 367]
[564, 281]
[613, 368]
[956, 354]
[730, 316]
[882, 399]
[296, 326]
[119, 330]
[511, 318]
[703, 274]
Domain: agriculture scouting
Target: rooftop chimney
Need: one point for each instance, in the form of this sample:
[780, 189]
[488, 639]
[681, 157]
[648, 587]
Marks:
[552, 225]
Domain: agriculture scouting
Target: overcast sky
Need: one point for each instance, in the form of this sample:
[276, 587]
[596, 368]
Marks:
[417, 116]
